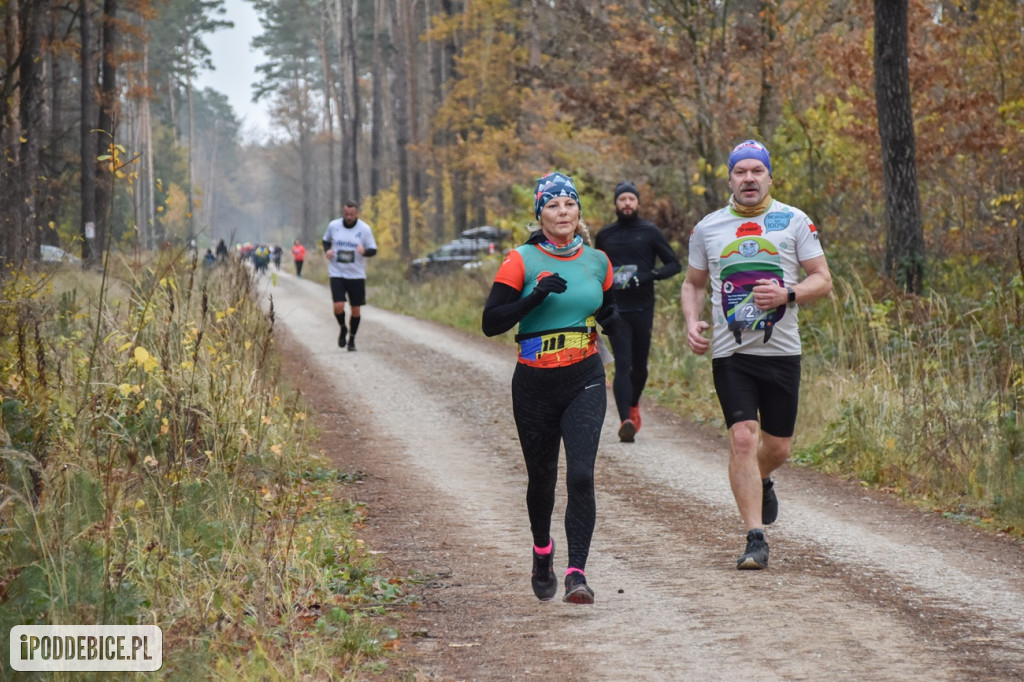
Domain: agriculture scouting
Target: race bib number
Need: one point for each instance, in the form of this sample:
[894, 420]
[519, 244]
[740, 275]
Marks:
[345, 256]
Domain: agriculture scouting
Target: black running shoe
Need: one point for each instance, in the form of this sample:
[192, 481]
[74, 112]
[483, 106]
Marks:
[627, 430]
[342, 335]
[756, 556]
[543, 579]
[769, 502]
[576, 589]
[352, 343]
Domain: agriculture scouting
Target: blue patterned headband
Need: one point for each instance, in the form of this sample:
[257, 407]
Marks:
[554, 185]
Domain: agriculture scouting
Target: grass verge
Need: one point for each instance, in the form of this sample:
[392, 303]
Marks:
[156, 470]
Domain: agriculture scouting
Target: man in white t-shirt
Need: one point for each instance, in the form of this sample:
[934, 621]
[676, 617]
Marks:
[752, 252]
[348, 242]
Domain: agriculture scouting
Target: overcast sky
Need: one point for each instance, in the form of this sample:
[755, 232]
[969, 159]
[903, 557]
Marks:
[235, 63]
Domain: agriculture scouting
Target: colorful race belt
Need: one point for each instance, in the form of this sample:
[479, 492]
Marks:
[557, 348]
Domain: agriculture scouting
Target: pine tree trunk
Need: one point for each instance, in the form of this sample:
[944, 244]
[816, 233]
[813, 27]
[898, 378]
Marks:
[400, 112]
[106, 127]
[904, 236]
[377, 105]
[87, 139]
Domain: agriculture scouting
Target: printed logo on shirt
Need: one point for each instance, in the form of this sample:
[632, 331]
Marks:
[745, 262]
[748, 230]
[777, 221]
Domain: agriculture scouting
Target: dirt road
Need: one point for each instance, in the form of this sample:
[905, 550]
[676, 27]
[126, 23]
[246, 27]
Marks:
[859, 587]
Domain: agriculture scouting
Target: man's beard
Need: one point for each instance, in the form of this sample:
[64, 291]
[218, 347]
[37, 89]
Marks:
[626, 217]
[346, 223]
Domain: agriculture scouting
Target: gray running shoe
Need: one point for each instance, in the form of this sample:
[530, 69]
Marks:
[769, 502]
[543, 579]
[576, 589]
[756, 556]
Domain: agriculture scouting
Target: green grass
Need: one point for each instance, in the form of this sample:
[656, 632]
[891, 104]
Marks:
[157, 470]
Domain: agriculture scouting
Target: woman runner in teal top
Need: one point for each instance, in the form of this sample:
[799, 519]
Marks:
[555, 287]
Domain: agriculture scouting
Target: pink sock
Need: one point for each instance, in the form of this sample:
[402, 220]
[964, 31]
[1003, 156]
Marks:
[543, 550]
[573, 569]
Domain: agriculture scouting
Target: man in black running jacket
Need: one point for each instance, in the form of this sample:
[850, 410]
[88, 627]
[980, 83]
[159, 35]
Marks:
[634, 246]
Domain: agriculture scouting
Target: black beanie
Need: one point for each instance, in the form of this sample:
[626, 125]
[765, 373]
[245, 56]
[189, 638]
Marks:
[624, 187]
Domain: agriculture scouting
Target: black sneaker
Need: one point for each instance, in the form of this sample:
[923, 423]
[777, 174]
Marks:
[352, 343]
[769, 502]
[756, 556]
[342, 335]
[627, 431]
[543, 580]
[576, 589]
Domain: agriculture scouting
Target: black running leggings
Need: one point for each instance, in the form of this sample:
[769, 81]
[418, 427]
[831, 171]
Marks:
[631, 344]
[553, 406]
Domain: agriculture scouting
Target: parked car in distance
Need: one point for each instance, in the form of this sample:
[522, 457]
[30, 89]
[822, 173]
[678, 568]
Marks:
[462, 253]
[493, 234]
[55, 254]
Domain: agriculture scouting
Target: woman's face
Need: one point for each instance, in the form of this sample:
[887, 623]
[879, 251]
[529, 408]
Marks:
[558, 219]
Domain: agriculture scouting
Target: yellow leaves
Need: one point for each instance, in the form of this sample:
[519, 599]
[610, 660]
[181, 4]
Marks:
[165, 427]
[150, 462]
[144, 360]
[128, 389]
[139, 504]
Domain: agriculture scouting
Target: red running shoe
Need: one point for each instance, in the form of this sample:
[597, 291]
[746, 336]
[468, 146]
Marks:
[634, 416]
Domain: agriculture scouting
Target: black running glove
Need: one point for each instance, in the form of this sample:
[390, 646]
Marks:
[608, 318]
[552, 284]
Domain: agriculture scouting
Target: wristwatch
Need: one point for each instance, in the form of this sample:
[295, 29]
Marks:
[792, 294]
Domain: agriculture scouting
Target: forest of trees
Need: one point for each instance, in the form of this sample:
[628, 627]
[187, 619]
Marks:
[896, 125]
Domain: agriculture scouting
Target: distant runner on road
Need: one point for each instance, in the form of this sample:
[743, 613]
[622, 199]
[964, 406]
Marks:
[348, 242]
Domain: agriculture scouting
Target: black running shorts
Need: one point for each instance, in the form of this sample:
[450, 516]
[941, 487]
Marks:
[354, 288]
[753, 386]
